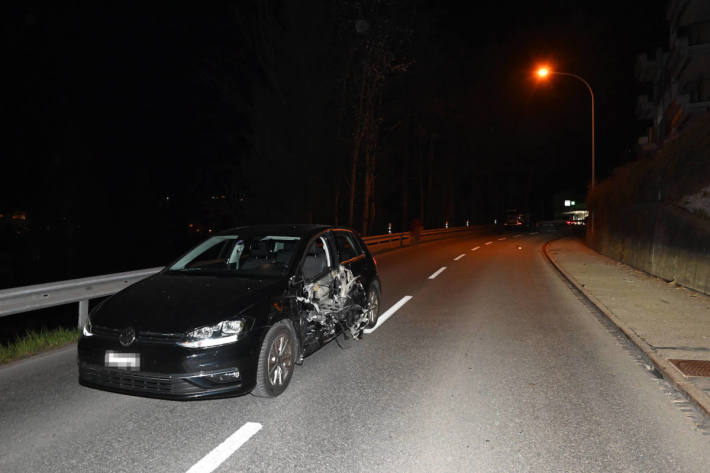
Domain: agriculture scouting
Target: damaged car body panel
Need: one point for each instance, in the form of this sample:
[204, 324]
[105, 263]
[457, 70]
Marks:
[333, 299]
[233, 315]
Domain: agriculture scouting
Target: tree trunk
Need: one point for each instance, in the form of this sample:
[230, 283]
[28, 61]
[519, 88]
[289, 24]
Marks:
[421, 183]
[369, 217]
[358, 136]
[430, 175]
[366, 197]
[370, 130]
[405, 189]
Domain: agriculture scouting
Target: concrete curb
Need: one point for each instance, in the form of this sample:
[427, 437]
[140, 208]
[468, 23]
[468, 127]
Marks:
[665, 367]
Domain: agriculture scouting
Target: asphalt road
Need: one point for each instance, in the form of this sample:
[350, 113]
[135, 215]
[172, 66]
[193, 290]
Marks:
[494, 365]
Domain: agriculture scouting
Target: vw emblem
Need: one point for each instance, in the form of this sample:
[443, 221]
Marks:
[127, 336]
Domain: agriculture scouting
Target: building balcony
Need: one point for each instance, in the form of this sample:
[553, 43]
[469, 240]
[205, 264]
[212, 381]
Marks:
[677, 56]
[646, 70]
[645, 109]
[696, 91]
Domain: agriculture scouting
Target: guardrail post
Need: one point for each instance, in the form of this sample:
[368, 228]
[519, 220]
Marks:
[83, 312]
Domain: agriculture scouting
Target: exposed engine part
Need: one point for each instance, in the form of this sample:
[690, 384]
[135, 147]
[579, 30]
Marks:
[335, 299]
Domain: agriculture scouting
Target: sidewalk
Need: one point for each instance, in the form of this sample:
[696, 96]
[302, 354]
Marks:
[666, 321]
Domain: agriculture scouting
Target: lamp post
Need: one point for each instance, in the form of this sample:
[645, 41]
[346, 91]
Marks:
[544, 72]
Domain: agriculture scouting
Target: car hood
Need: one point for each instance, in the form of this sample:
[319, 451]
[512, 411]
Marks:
[174, 303]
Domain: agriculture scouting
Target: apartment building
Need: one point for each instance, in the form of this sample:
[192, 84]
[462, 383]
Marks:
[676, 80]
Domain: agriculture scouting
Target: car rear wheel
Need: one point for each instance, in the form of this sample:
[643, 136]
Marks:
[276, 360]
[373, 306]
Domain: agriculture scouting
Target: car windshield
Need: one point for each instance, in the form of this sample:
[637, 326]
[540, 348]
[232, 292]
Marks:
[240, 255]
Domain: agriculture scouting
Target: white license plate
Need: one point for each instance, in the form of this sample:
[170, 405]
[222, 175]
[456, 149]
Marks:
[130, 361]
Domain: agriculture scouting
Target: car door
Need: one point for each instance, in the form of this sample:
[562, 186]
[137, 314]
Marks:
[317, 260]
[352, 256]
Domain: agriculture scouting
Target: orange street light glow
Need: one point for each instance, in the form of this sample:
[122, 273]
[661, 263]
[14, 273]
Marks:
[543, 72]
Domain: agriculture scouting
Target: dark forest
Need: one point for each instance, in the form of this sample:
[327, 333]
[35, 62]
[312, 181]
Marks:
[136, 130]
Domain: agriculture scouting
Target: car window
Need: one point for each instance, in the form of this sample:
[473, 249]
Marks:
[240, 255]
[317, 259]
[345, 243]
[213, 255]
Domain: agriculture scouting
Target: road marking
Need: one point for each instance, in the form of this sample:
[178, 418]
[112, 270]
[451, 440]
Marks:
[216, 457]
[488, 242]
[437, 272]
[459, 256]
[500, 239]
[516, 236]
[474, 249]
[388, 313]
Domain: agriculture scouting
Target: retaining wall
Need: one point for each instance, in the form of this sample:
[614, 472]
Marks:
[661, 239]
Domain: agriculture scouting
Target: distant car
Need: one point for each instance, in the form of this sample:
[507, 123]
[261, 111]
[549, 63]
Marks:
[514, 220]
[575, 221]
[233, 315]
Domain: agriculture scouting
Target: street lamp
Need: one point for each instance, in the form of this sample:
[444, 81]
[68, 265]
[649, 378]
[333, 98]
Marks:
[543, 72]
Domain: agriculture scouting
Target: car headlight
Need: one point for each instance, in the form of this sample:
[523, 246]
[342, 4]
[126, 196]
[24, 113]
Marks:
[222, 333]
[86, 329]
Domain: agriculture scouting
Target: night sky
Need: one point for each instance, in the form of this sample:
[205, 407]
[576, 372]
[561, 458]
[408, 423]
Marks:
[125, 124]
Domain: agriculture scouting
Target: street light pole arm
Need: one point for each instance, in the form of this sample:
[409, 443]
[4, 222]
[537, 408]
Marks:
[591, 93]
[589, 87]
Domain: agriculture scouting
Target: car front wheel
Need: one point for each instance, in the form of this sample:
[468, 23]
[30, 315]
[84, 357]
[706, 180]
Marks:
[276, 360]
[373, 306]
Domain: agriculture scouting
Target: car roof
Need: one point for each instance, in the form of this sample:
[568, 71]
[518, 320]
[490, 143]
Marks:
[303, 230]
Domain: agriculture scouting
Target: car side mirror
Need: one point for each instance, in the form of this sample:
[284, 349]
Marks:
[294, 281]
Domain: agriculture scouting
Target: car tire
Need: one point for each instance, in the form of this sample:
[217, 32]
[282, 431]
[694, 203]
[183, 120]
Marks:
[373, 297]
[277, 360]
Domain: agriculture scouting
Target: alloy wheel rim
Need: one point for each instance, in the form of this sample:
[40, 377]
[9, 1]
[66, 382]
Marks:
[280, 360]
[372, 307]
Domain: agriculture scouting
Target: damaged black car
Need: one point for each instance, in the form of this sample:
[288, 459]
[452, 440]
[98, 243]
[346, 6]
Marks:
[233, 315]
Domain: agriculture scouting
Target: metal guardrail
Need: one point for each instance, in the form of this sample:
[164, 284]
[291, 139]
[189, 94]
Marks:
[40, 296]
[403, 238]
[388, 238]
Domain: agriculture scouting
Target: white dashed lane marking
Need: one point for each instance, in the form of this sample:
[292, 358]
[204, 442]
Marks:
[502, 238]
[474, 249]
[489, 242]
[437, 272]
[459, 256]
[216, 457]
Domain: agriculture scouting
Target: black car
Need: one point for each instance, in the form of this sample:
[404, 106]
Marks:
[233, 315]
